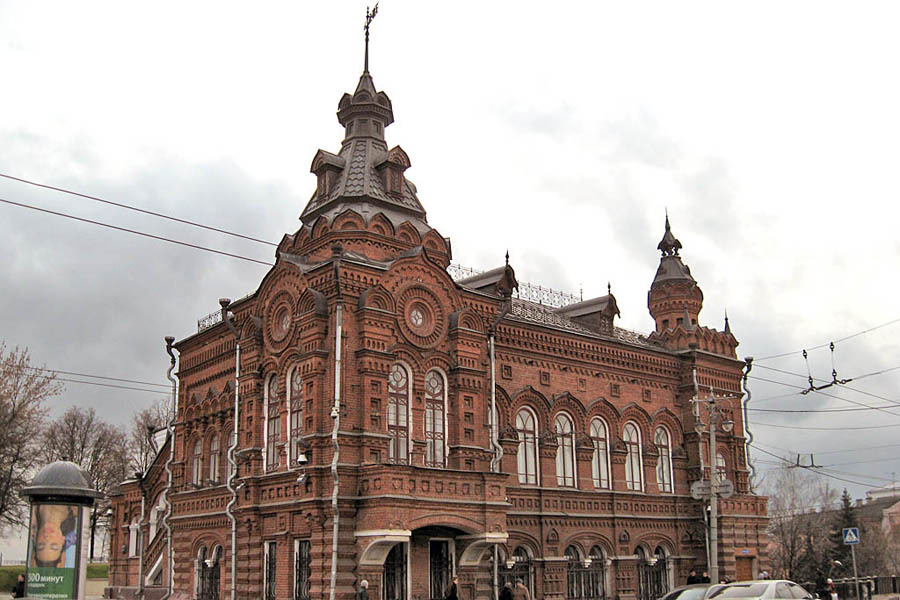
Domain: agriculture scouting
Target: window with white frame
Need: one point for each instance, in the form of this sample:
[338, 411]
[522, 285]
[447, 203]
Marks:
[664, 463]
[634, 474]
[600, 463]
[214, 458]
[435, 419]
[721, 468]
[526, 428]
[565, 450]
[273, 422]
[197, 466]
[398, 414]
[295, 406]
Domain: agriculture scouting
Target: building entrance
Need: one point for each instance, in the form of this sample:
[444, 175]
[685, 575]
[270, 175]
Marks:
[394, 577]
[440, 568]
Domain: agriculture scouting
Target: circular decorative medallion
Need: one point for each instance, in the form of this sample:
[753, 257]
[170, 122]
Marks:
[422, 321]
[278, 320]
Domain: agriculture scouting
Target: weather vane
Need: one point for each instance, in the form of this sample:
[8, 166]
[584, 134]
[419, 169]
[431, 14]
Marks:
[370, 15]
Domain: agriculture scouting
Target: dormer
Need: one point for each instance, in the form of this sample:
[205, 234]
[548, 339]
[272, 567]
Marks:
[327, 168]
[391, 169]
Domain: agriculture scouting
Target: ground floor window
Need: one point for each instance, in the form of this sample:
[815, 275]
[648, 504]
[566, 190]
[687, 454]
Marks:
[270, 570]
[302, 561]
[518, 567]
[653, 578]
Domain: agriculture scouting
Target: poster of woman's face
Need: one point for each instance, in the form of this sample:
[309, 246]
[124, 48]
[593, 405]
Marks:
[53, 535]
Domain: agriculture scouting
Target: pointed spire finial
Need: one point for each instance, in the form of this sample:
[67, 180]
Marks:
[507, 258]
[370, 14]
[669, 245]
[727, 326]
[609, 288]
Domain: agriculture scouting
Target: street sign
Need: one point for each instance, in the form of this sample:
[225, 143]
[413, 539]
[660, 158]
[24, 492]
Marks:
[725, 489]
[851, 535]
[700, 489]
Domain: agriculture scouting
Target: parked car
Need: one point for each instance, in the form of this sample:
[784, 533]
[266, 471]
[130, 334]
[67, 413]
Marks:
[696, 591]
[763, 589]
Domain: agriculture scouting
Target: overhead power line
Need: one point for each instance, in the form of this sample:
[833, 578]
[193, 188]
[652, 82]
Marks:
[825, 345]
[109, 385]
[136, 209]
[45, 370]
[135, 232]
[804, 428]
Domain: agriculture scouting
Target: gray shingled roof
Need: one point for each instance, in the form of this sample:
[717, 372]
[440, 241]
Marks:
[532, 312]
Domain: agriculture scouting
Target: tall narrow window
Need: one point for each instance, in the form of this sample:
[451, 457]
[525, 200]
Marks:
[664, 464]
[435, 412]
[271, 573]
[197, 470]
[527, 455]
[721, 468]
[565, 451]
[600, 465]
[634, 474]
[302, 562]
[398, 414]
[295, 405]
[214, 458]
[273, 423]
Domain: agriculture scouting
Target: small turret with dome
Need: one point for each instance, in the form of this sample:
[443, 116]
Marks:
[675, 301]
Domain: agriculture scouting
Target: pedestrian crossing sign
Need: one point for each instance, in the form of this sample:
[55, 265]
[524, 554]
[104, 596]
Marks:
[851, 535]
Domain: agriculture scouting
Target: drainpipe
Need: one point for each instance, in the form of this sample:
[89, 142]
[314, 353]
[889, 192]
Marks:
[336, 414]
[748, 364]
[228, 319]
[495, 426]
[140, 540]
[171, 433]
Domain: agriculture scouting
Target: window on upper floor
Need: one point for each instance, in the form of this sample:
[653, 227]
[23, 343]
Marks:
[634, 471]
[273, 422]
[721, 468]
[398, 414]
[664, 462]
[295, 408]
[197, 463]
[435, 419]
[526, 428]
[600, 463]
[214, 458]
[565, 450]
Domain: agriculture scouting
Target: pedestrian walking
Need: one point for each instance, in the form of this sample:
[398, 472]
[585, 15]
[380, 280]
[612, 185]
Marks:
[18, 590]
[363, 593]
[506, 593]
[452, 593]
[521, 592]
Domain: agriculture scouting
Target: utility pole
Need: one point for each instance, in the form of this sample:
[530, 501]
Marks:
[712, 488]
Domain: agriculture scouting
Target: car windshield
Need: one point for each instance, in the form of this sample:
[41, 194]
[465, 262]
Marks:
[691, 593]
[740, 590]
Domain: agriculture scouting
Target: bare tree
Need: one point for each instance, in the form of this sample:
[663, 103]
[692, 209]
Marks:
[143, 424]
[23, 390]
[799, 524]
[80, 436]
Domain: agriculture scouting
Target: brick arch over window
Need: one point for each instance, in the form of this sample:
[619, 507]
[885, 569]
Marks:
[601, 407]
[320, 228]
[348, 220]
[381, 225]
[529, 396]
[636, 413]
[574, 407]
[408, 233]
[664, 416]
[377, 297]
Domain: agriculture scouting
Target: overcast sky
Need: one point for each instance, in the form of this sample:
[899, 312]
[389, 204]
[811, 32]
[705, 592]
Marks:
[561, 132]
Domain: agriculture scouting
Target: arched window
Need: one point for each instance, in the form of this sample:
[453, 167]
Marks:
[596, 582]
[634, 474]
[295, 406]
[214, 458]
[398, 414]
[197, 467]
[565, 451]
[664, 464]
[721, 468]
[518, 567]
[527, 456]
[575, 574]
[435, 417]
[273, 423]
[600, 464]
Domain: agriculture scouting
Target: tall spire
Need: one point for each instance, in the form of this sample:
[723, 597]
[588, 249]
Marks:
[669, 245]
[370, 16]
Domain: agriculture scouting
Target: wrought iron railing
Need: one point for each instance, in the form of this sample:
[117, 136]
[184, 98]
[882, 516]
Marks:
[214, 318]
[527, 291]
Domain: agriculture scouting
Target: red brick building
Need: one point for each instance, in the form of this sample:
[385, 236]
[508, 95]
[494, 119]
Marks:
[362, 355]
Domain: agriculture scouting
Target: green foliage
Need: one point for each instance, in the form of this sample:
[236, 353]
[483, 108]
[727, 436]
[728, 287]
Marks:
[845, 516]
[8, 575]
[98, 571]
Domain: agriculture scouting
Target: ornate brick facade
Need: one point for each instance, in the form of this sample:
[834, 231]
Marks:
[359, 352]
